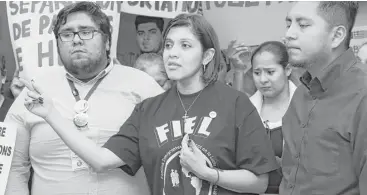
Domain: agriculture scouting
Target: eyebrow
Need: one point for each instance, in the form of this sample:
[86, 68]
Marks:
[140, 30]
[79, 27]
[184, 39]
[266, 69]
[288, 19]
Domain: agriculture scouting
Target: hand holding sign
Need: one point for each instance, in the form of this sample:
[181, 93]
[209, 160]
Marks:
[36, 101]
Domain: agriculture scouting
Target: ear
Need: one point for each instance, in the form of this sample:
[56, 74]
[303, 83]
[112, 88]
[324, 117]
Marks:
[208, 56]
[339, 34]
[288, 70]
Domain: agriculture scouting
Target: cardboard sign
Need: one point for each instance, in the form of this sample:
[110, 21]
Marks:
[7, 142]
[164, 9]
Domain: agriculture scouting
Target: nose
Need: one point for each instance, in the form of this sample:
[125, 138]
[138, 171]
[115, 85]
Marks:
[146, 36]
[172, 52]
[291, 33]
[77, 39]
[263, 78]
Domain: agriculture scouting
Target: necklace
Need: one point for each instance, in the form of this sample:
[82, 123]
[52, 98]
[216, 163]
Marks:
[183, 106]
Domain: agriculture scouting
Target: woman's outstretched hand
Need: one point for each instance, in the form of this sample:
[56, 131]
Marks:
[36, 101]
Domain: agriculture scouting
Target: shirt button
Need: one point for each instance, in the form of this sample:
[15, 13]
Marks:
[291, 186]
[303, 125]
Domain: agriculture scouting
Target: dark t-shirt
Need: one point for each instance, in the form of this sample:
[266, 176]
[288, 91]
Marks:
[5, 107]
[222, 122]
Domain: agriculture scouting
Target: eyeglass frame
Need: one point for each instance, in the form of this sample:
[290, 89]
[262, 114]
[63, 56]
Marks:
[77, 33]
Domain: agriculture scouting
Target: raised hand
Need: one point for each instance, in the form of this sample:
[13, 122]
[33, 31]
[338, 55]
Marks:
[236, 52]
[36, 101]
[16, 86]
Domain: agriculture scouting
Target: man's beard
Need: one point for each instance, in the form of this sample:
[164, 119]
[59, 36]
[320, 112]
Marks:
[83, 66]
[304, 64]
[298, 64]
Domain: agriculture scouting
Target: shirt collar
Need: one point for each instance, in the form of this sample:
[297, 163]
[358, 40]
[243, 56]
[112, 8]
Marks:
[257, 99]
[318, 80]
[103, 73]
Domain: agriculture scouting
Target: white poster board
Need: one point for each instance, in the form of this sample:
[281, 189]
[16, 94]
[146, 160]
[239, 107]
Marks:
[8, 135]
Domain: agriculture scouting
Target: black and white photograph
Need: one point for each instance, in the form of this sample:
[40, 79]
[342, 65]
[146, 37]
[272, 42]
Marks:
[183, 97]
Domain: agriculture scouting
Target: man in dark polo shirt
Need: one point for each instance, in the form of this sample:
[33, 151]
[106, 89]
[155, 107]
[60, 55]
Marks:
[325, 127]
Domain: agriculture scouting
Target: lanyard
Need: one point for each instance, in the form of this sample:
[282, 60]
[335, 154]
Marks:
[76, 92]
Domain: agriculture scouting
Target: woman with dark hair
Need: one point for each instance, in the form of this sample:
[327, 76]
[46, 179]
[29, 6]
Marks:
[271, 73]
[198, 137]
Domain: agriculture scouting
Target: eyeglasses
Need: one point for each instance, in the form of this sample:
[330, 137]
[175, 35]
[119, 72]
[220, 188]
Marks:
[83, 35]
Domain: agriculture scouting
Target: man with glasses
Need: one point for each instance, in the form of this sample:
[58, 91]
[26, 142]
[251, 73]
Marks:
[94, 94]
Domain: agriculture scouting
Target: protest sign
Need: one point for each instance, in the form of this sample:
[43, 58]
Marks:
[164, 9]
[33, 41]
[8, 135]
[251, 22]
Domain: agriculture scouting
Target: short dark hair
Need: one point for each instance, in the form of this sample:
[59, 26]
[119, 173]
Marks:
[205, 33]
[146, 19]
[339, 13]
[91, 8]
[278, 49]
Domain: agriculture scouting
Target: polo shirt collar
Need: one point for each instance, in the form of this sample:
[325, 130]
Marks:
[320, 78]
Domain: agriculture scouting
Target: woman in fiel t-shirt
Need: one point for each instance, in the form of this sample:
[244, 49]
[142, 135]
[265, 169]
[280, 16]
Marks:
[199, 137]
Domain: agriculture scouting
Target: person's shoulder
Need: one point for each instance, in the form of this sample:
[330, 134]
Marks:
[358, 74]
[128, 72]
[229, 97]
[155, 102]
[228, 93]
[131, 75]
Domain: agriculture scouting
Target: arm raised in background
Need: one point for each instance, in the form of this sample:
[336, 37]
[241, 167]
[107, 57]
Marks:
[239, 56]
